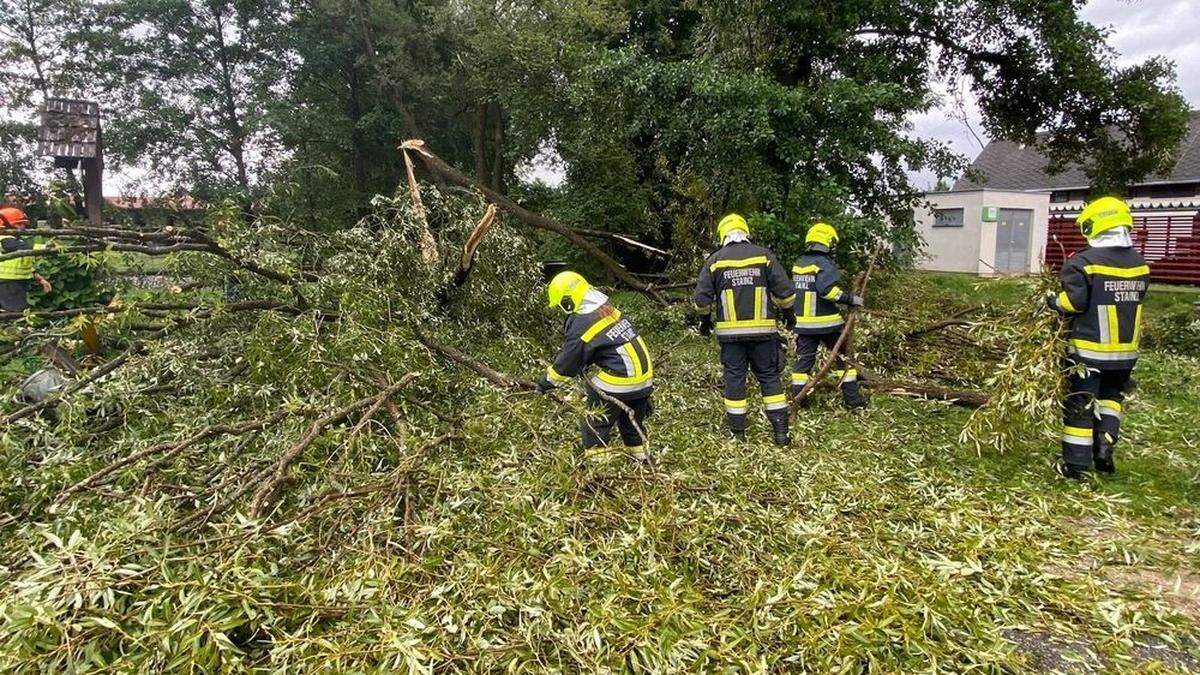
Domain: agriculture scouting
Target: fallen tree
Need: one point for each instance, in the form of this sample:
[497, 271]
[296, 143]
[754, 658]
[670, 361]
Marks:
[455, 177]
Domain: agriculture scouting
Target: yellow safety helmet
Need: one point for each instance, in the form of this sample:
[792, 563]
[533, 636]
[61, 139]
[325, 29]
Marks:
[821, 233]
[566, 290]
[1104, 214]
[731, 223]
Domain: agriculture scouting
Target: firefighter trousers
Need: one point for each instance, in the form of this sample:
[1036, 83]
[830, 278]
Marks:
[597, 427]
[806, 360]
[761, 357]
[1092, 413]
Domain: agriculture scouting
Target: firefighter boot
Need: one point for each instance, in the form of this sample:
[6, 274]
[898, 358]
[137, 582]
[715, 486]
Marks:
[852, 396]
[1102, 454]
[1070, 471]
[779, 427]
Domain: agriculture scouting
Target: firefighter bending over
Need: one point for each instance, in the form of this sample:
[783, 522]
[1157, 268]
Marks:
[599, 340]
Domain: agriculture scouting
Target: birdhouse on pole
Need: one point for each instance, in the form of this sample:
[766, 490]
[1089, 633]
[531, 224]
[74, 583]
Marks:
[70, 133]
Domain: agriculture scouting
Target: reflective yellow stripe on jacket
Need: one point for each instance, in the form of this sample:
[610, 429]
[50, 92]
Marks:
[807, 316]
[740, 262]
[642, 373]
[16, 269]
[601, 324]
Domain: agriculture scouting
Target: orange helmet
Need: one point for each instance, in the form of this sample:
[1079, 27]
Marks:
[13, 217]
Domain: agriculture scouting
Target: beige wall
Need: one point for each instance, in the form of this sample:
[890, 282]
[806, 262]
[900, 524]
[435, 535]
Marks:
[972, 247]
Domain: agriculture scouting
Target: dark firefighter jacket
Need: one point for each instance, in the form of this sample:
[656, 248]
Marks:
[1103, 290]
[736, 280]
[605, 344]
[816, 277]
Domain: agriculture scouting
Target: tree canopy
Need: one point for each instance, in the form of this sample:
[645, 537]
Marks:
[663, 113]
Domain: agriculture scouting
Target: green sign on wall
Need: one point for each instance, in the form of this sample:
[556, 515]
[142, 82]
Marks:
[991, 214]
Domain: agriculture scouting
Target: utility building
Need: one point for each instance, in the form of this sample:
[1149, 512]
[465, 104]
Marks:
[987, 232]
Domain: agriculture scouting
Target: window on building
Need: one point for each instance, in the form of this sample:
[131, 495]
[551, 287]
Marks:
[947, 217]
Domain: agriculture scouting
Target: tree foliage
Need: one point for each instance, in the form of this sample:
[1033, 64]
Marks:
[664, 114]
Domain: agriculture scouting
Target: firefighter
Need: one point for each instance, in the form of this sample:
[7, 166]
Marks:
[16, 273]
[750, 292]
[1103, 287]
[600, 341]
[819, 322]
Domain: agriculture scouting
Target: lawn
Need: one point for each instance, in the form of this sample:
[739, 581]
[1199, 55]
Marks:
[875, 543]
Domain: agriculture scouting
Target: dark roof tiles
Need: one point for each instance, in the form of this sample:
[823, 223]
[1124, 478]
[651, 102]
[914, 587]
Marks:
[1004, 165]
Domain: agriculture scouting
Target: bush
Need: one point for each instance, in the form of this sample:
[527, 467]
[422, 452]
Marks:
[75, 280]
[1176, 330]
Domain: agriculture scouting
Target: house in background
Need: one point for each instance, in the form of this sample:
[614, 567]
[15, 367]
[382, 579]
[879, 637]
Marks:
[144, 211]
[1014, 211]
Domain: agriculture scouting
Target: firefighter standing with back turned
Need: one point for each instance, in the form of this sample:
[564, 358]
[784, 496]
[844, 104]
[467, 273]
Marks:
[1104, 286]
[750, 292]
[596, 335]
[16, 273]
[818, 322]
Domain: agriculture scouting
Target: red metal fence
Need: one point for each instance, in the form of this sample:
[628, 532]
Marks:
[1171, 244]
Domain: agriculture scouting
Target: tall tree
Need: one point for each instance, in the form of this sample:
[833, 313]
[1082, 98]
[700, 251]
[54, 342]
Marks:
[40, 56]
[802, 109]
[191, 85]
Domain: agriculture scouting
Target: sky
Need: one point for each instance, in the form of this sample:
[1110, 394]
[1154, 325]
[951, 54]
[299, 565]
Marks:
[1140, 29]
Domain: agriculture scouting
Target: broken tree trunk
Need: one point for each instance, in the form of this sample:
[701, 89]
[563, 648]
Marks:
[471, 245]
[428, 246]
[439, 167]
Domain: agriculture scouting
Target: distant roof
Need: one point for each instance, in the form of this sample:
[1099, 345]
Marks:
[179, 203]
[1005, 165]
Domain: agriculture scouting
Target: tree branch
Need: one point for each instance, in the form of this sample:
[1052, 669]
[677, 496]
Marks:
[984, 56]
[170, 449]
[490, 374]
[280, 473]
[439, 167]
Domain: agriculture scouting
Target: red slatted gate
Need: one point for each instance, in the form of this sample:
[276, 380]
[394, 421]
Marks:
[1171, 244]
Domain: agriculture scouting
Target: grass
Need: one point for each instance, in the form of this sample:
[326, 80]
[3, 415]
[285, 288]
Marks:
[876, 543]
[1003, 290]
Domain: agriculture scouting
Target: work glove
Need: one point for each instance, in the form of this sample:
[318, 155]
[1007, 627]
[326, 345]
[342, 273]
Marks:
[856, 301]
[543, 385]
[705, 326]
[1051, 300]
[787, 317]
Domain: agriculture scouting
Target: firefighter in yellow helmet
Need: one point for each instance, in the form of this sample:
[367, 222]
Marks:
[1103, 287]
[16, 273]
[750, 292]
[818, 320]
[601, 344]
